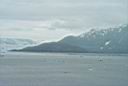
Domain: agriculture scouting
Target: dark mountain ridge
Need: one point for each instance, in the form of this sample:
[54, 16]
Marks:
[54, 47]
[111, 40]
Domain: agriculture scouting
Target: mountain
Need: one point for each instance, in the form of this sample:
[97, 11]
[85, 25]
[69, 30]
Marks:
[53, 47]
[14, 43]
[110, 40]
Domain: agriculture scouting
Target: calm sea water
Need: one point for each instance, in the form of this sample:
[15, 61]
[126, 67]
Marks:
[69, 69]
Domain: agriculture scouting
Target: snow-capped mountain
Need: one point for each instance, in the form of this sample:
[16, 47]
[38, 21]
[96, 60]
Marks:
[14, 43]
[111, 40]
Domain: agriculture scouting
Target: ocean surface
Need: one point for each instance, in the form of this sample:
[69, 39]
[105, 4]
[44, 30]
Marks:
[63, 69]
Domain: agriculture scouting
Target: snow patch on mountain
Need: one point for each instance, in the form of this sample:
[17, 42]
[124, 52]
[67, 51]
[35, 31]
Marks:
[107, 43]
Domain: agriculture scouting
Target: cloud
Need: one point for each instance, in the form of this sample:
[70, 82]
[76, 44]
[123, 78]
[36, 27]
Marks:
[67, 24]
[20, 25]
[44, 9]
[63, 16]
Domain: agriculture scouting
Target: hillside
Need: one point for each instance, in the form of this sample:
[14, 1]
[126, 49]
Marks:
[53, 47]
[111, 40]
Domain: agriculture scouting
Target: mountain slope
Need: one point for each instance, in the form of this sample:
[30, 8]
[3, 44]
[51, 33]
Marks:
[53, 47]
[111, 40]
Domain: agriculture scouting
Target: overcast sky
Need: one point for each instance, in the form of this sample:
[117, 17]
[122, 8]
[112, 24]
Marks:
[54, 19]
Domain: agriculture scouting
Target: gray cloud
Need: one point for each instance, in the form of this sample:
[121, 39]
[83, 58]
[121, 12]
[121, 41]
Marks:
[41, 9]
[65, 15]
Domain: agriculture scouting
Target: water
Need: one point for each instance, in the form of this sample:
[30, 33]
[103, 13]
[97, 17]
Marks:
[57, 69]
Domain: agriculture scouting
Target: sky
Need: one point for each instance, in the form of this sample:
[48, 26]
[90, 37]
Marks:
[44, 20]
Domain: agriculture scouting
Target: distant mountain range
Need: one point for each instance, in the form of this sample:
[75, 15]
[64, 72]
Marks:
[111, 40]
[14, 43]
